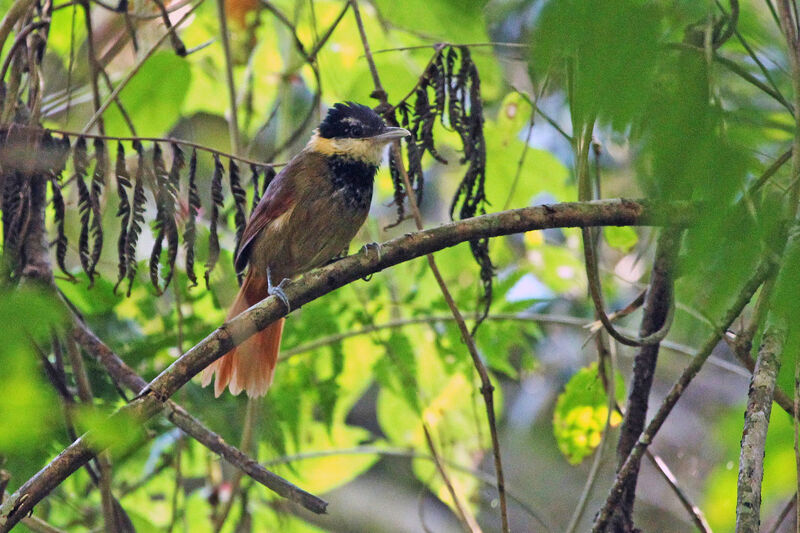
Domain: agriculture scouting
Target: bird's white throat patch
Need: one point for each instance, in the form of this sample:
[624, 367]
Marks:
[367, 150]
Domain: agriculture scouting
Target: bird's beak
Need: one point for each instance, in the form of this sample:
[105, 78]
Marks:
[391, 133]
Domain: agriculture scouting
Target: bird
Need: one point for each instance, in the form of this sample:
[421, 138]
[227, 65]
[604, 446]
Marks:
[307, 216]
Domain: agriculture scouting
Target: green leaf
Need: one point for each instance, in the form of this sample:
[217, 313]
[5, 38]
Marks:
[154, 97]
[581, 412]
[611, 46]
[621, 237]
[465, 21]
[324, 473]
[27, 400]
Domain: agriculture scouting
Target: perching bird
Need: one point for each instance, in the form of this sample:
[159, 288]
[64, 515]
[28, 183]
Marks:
[309, 213]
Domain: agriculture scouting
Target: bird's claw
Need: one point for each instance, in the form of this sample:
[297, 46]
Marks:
[376, 246]
[278, 292]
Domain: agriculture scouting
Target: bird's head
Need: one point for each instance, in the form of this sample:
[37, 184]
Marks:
[354, 131]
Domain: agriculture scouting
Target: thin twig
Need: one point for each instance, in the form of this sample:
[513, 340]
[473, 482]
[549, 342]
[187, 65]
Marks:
[550, 120]
[312, 55]
[467, 519]
[103, 460]
[444, 44]
[739, 71]
[133, 71]
[526, 147]
[233, 115]
[694, 511]
[310, 60]
[483, 477]
[754, 436]
[487, 389]
[520, 317]
[250, 417]
[169, 140]
[175, 511]
[93, 64]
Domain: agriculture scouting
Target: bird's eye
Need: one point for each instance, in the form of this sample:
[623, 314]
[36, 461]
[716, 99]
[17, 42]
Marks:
[356, 130]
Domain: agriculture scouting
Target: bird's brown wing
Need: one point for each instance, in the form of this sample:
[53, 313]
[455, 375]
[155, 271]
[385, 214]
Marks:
[277, 199]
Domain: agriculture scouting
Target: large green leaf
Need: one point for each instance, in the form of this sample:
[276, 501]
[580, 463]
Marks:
[611, 48]
[154, 97]
[581, 413]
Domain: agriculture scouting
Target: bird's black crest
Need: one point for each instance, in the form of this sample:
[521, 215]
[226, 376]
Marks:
[351, 120]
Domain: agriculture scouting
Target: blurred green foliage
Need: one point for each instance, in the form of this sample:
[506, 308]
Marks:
[673, 123]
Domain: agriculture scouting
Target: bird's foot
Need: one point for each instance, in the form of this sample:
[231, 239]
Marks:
[278, 292]
[374, 246]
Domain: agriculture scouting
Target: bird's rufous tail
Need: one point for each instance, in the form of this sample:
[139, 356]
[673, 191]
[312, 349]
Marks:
[249, 366]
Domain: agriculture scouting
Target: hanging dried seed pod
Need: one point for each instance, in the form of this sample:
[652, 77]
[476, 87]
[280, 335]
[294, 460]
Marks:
[189, 232]
[137, 218]
[62, 147]
[98, 182]
[80, 162]
[254, 178]
[163, 204]
[123, 212]
[216, 204]
[239, 202]
[173, 240]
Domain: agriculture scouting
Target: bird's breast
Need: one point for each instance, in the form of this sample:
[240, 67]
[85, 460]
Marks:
[354, 179]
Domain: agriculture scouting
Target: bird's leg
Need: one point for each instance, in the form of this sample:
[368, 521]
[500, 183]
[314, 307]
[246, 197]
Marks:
[278, 291]
[374, 246]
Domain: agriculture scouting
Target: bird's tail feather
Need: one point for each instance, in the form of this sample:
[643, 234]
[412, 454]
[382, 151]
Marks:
[248, 367]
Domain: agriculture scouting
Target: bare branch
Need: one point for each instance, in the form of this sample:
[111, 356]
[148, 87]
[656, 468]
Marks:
[487, 389]
[754, 436]
[657, 309]
[126, 377]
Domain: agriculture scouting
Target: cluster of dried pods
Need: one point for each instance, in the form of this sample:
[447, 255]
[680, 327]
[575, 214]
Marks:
[174, 210]
[449, 92]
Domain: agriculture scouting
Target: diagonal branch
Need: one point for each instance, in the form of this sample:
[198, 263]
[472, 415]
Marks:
[657, 309]
[153, 399]
[125, 376]
[754, 436]
[487, 388]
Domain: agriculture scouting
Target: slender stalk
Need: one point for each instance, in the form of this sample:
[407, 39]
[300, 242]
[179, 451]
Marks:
[754, 436]
[467, 519]
[694, 512]
[487, 389]
[250, 417]
[233, 115]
